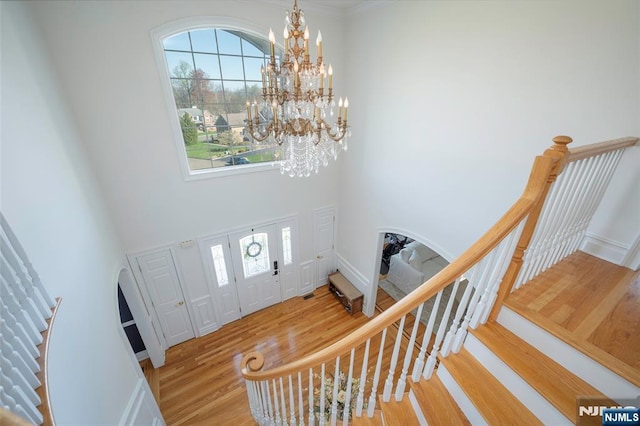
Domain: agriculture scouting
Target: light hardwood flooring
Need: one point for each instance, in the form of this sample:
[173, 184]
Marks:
[591, 304]
[201, 382]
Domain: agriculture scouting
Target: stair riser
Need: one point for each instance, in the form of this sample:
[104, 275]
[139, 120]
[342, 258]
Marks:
[537, 404]
[417, 409]
[465, 404]
[573, 360]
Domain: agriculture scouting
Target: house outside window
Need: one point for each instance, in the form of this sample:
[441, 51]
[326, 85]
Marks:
[212, 72]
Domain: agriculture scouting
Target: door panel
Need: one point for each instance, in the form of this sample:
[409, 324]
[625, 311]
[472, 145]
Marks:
[161, 277]
[324, 234]
[255, 262]
[220, 267]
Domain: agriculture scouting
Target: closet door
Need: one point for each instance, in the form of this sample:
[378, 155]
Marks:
[161, 278]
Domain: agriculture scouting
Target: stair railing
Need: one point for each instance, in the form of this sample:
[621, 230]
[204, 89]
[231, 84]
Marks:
[380, 359]
[26, 313]
[565, 215]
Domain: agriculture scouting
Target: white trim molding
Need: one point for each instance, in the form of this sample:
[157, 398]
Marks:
[604, 248]
[142, 407]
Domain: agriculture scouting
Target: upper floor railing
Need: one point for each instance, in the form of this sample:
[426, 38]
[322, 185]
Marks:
[26, 313]
[375, 361]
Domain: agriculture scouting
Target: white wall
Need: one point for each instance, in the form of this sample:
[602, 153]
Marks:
[451, 102]
[50, 198]
[109, 73]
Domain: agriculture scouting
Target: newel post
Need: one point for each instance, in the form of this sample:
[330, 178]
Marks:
[558, 153]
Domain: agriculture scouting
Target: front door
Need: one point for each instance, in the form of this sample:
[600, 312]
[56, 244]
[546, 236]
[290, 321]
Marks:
[161, 277]
[255, 261]
[218, 259]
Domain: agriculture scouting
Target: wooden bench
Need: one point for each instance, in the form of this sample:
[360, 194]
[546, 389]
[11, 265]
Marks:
[345, 292]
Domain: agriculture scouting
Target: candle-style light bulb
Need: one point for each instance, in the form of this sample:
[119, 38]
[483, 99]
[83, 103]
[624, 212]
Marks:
[330, 76]
[346, 108]
[272, 42]
[319, 44]
[306, 40]
[340, 108]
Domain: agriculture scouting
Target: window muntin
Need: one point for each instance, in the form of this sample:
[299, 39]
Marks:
[254, 250]
[213, 72]
[217, 255]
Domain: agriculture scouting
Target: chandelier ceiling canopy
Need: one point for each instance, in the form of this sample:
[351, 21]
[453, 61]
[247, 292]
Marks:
[297, 109]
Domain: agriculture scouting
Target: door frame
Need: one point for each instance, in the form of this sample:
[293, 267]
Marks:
[316, 213]
[146, 295]
[143, 317]
[291, 220]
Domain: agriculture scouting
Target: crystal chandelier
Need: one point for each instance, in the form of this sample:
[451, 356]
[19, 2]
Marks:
[295, 107]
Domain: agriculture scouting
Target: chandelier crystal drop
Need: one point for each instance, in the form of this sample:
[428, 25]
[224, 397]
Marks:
[297, 112]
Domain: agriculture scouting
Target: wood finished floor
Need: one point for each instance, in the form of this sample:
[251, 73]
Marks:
[592, 304]
[201, 382]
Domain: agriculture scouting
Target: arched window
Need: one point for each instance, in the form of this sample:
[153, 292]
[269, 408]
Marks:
[211, 72]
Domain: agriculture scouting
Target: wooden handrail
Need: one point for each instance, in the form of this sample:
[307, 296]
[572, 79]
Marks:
[43, 390]
[534, 190]
[594, 149]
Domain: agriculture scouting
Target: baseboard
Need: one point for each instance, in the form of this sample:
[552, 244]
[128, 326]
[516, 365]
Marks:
[470, 411]
[142, 355]
[604, 248]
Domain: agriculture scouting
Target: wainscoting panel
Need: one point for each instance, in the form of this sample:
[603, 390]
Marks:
[142, 409]
[306, 273]
[205, 316]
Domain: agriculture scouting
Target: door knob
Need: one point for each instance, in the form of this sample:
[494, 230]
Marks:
[319, 257]
[180, 303]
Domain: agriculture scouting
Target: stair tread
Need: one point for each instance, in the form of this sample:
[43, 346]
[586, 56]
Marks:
[437, 404]
[400, 413]
[494, 402]
[376, 420]
[551, 380]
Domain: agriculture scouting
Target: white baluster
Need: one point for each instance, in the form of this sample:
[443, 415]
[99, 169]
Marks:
[21, 296]
[38, 304]
[312, 417]
[292, 405]
[346, 413]
[322, 417]
[15, 243]
[461, 334]
[300, 400]
[431, 361]
[10, 300]
[334, 398]
[449, 339]
[363, 380]
[18, 363]
[283, 405]
[9, 403]
[418, 365]
[21, 351]
[23, 403]
[20, 333]
[402, 380]
[267, 391]
[376, 377]
[388, 384]
[276, 403]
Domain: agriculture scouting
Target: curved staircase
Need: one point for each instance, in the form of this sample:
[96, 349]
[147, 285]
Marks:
[477, 360]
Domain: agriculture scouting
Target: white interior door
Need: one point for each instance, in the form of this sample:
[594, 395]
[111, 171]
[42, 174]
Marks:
[161, 277]
[255, 261]
[324, 222]
[218, 259]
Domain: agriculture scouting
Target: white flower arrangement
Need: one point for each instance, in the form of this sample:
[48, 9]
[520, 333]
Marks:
[341, 398]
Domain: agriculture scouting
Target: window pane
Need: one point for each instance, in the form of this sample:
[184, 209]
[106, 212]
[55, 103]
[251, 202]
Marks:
[217, 254]
[204, 41]
[252, 68]
[180, 64]
[249, 49]
[232, 67]
[177, 42]
[228, 43]
[208, 64]
[286, 246]
[255, 254]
